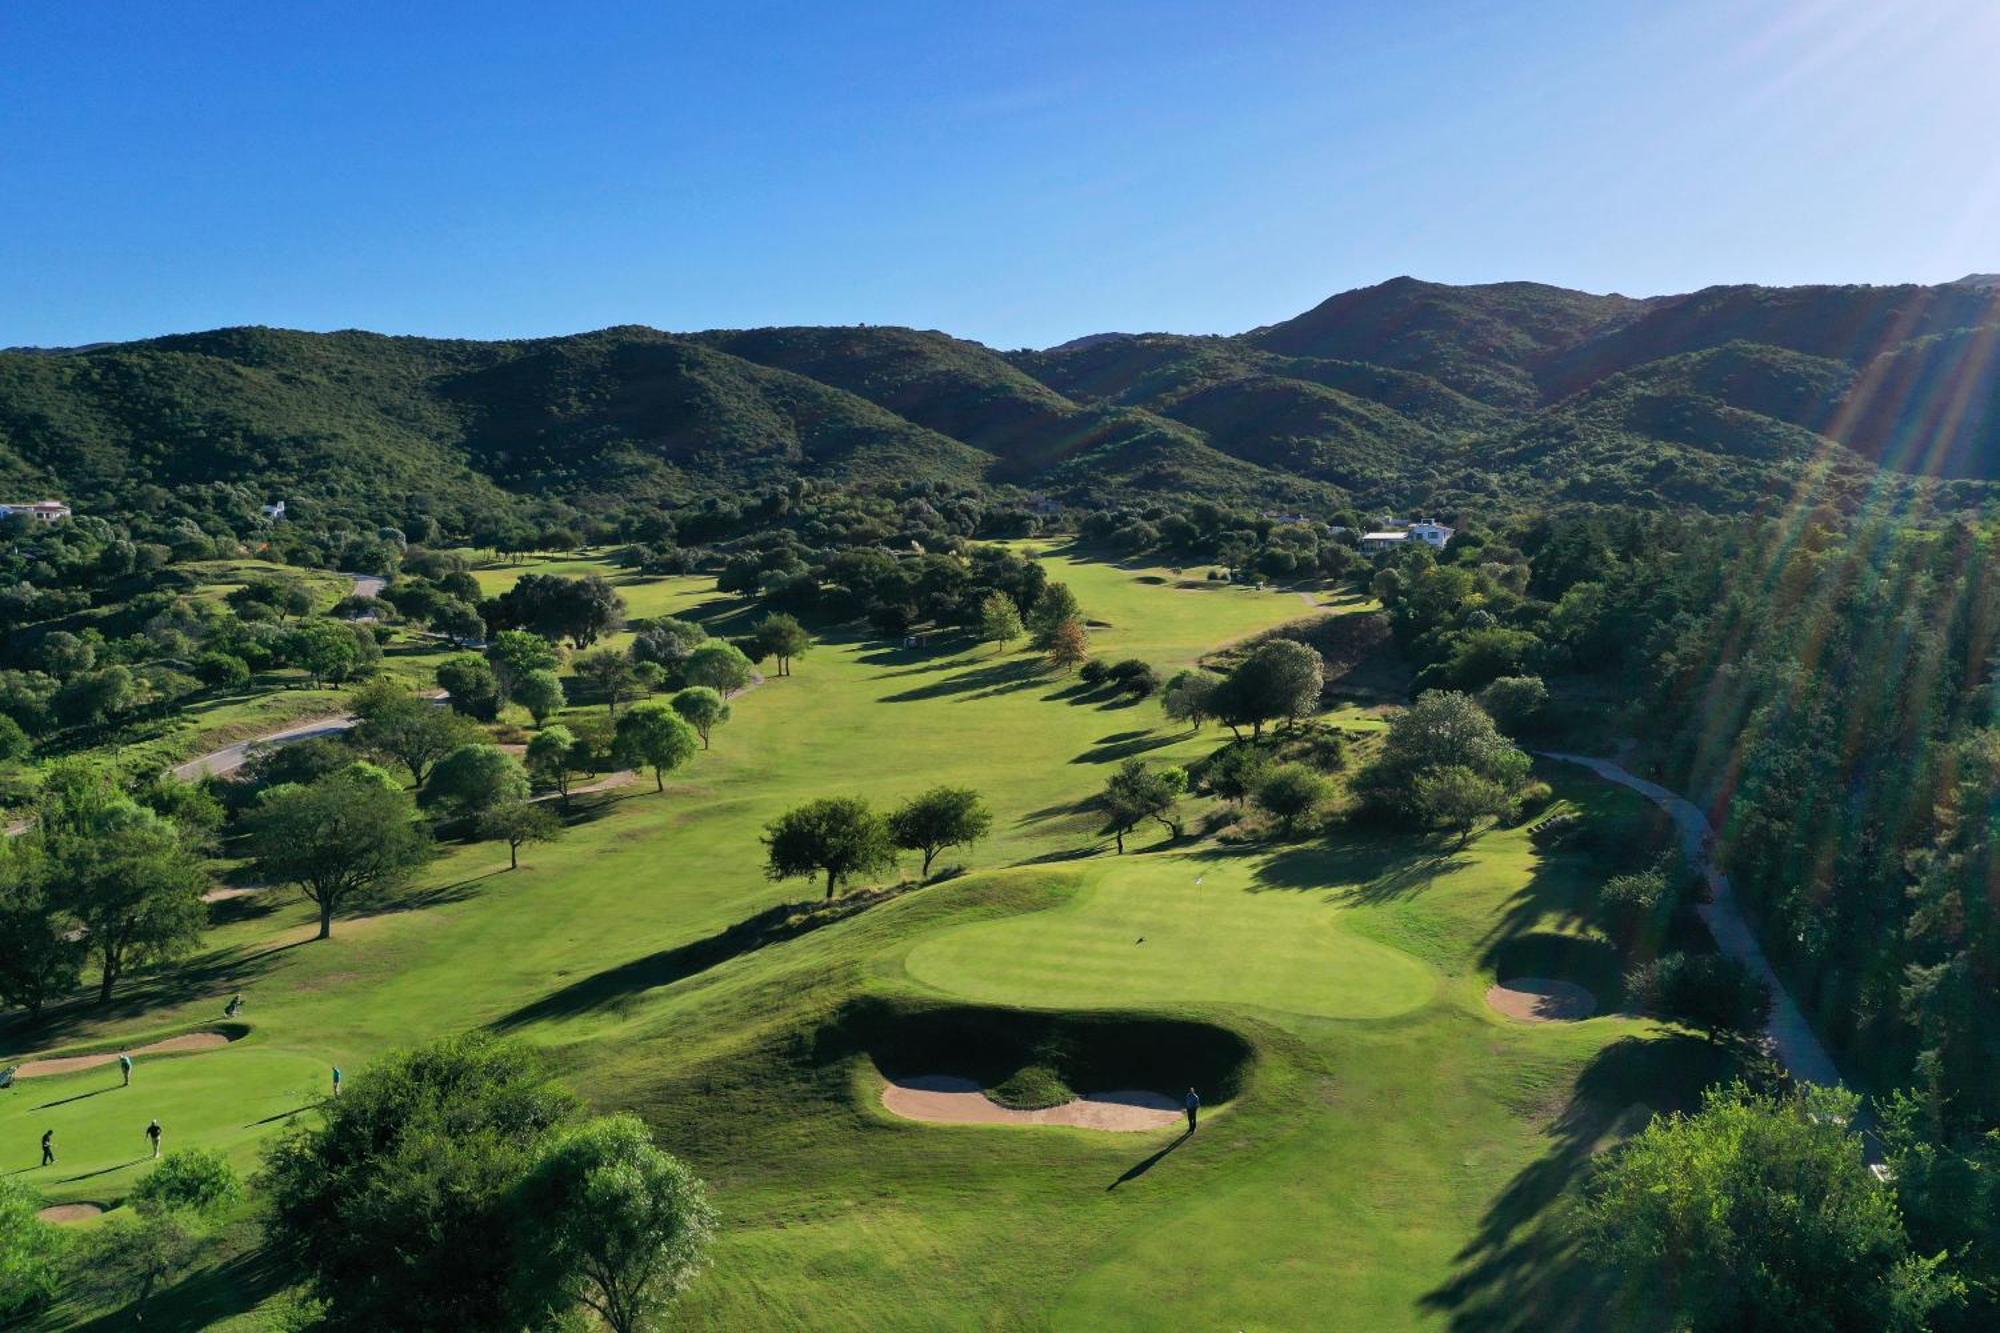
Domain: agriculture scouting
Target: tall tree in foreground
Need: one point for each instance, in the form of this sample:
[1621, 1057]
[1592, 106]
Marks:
[41, 945]
[999, 621]
[130, 881]
[341, 842]
[655, 736]
[610, 1222]
[399, 1207]
[30, 1251]
[939, 818]
[839, 836]
[1759, 1212]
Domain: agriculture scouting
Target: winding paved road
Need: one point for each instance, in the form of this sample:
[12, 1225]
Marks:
[1792, 1037]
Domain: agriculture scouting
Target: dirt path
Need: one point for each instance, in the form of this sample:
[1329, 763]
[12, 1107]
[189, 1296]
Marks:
[944, 1100]
[64, 1213]
[1792, 1037]
[70, 1064]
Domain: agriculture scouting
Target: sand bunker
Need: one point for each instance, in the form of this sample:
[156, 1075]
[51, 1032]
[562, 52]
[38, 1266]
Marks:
[1540, 1000]
[945, 1100]
[70, 1212]
[70, 1064]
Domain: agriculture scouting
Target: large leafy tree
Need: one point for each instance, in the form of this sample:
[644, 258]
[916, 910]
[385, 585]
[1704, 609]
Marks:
[720, 666]
[1069, 645]
[702, 708]
[553, 755]
[540, 692]
[341, 841]
[517, 822]
[999, 620]
[399, 1206]
[128, 877]
[781, 636]
[1052, 608]
[31, 1251]
[608, 1221]
[1135, 793]
[414, 732]
[654, 735]
[1279, 679]
[470, 685]
[1759, 1212]
[1444, 729]
[41, 946]
[474, 779]
[939, 818]
[610, 674]
[838, 836]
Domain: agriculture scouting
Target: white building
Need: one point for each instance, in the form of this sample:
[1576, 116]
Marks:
[274, 512]
[42, 511]
[1397, 533]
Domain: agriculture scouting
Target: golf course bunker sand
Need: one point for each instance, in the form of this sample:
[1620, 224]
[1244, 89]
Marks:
[1541, 1000]
[70, 1212]
[947, 1100]
[182, 1045]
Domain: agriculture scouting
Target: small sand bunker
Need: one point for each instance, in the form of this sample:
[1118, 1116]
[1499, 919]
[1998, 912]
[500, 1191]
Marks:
[1540, 1000]
[70, 1212]
[946, 1100]
[70, 1064]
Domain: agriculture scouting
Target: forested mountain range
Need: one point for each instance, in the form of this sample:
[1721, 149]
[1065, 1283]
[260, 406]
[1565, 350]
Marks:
[1406, 393]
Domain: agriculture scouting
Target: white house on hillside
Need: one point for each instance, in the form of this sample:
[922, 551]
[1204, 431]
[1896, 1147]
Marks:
[274, 512]
[42, 511]
[1397, 533]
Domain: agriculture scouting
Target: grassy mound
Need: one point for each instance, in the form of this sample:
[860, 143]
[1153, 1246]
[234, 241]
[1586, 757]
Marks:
[1028, 1059]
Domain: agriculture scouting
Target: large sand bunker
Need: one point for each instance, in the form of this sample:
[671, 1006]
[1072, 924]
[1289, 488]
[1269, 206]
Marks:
[946, 1100]
[70, 1212]
[70, 1064]
[1541, 1000]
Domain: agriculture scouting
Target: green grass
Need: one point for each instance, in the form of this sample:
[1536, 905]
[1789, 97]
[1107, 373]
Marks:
[1391, 1151]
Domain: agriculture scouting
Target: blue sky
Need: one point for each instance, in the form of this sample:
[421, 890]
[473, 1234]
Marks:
[1017, 173]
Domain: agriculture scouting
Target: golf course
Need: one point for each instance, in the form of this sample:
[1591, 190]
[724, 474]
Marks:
[1379, 1148]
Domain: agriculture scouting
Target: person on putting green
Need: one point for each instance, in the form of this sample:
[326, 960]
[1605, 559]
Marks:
[125, 1067]
[153, 1133]
[1192, 1102]
[48, 1147]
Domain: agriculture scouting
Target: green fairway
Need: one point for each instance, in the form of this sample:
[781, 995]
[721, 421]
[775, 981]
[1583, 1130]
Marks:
[1371, 1152]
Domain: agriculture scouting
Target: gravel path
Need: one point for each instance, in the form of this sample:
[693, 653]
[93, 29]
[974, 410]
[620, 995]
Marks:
[1797, 1047]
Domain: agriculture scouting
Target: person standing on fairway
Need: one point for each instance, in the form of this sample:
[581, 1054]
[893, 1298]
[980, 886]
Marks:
[1193, 1104]
[153, 1133]
[125, 1067]
[336, 1080]
[48, 1147]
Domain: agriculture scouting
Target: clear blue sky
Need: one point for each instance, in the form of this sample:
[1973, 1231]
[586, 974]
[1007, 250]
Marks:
[1017, 173]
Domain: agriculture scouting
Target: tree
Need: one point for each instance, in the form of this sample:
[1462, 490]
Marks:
[41, 946]
[554, 607]
[471, 686]
[1455, 798]
[608, 1221]
[668, 641]
[132, 885]
[475, 778]
[517, 822]
[702, 708]
[340, 841]
[1443, 729]
[325, 649]
[458, 622]
[1708, 991]
[541, 693]
[1234, 772]
[654, 735]
[1134, 677]
[414, 732]
[31, 1251]
[783, 637]
[999, 621]
[1758, 1212]
[1515, 703]
[1279, 679]
[1189, 696]
[400, 1203]
[1056, 605]
[1069, 646]
[128, 1259]
[720, 666]
[839, 835]
[517, 653]
[222, 671]
[939, 818]
[1290, 793]
[197, 1180]
[609, 672]
[1135, 792]
[552, 757]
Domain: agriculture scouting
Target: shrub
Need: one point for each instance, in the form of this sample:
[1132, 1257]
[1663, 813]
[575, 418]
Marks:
[1094, 672]
[1292, 794]
[196, 1179]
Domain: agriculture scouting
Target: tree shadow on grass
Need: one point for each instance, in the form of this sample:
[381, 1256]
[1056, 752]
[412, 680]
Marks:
[1524, 1268]
[1001, 677]
[210, 1297]
[1368, 871]
[1122, 745]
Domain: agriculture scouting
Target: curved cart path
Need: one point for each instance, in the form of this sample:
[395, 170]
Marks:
[943, 1099]
[1797, 1047]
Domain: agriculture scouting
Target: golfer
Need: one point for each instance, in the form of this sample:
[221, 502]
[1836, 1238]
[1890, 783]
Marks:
[153, 1133]
[1193, 1104]
[336, 1080]
[125, 1067]
[48, 1147]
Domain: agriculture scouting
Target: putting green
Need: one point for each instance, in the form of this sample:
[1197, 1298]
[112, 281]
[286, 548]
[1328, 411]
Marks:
[1173, 929]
